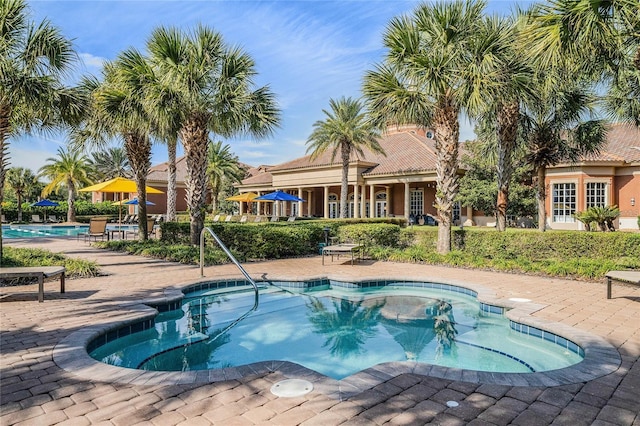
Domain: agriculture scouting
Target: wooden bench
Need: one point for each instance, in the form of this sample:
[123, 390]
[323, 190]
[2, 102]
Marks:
[40, 272]
[628, 277]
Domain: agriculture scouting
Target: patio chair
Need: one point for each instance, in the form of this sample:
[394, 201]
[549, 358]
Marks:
[53, 219]
[291, 219]
[159, 219]
[97, 228]
[151, 222]
[275, 219]
[228, 218]
[35, 218]
[4, 219]
[216, 218]
[243, 219]
[257, 219]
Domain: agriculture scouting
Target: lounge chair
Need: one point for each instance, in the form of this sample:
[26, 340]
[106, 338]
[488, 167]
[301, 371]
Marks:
[228, 218]
[151, 221]
[243, 219]
[216, 218]
[53, 219]
[97, 228]
[4, 219]
[257, 219]
[275, 219]
[291, 219]
[35, 218]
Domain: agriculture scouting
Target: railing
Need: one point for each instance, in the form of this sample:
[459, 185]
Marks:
[233, 259]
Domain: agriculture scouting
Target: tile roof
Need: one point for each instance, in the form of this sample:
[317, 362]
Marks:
[406, 152]
[623, 145]
[158, 173]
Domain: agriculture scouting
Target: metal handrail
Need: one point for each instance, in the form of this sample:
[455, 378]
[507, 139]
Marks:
[231, 256]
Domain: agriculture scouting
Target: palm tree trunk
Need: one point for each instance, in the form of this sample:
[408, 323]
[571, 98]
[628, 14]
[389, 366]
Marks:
[447, 132]
[4, 134]
[138, 149]
[508, 117]
[344, 187]
[195, 139]
[71, 201]
[171, 179]
[541, 195]
[19, 199]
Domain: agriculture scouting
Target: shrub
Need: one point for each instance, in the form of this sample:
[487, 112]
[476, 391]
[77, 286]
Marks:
[13, 256]
[381, 234]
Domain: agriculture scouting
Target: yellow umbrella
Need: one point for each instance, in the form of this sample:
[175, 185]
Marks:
[119, 185]
[244, 197]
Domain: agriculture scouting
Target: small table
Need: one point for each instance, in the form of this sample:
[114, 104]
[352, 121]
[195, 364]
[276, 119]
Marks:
[338, 249]
[628, 277]
[113, 232]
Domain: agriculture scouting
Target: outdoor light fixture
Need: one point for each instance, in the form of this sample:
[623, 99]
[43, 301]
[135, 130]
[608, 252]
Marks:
[633, 201]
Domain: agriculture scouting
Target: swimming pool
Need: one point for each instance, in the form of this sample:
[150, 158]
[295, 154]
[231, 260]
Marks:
[336, 329]
[43, 231]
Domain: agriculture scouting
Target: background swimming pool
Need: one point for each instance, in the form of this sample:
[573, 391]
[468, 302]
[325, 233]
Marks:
[336, 333]
[42, 231]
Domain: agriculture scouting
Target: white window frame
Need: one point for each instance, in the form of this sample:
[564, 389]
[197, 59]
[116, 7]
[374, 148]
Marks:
[381, 204]
[596, 194]
[564, 202]
[416, 202]
[333, 206]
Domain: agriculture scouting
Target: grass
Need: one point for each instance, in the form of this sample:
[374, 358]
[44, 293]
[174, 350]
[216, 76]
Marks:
[20, 257]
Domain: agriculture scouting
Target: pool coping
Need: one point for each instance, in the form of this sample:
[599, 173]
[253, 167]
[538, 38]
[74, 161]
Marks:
[600, 357]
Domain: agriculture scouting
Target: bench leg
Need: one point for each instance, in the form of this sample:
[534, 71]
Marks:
[62, 282]
[608, 288]
[41, 288]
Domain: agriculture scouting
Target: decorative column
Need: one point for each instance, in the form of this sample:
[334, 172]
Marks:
[326, 202]
[356, 198]
[407, 194]
[241, 207]
[363, 204]
[309, 196]
[299, 202]
[388, 192]
[372, 201]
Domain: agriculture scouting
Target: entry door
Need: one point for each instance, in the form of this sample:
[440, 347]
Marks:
[381, 209]
[333, 209]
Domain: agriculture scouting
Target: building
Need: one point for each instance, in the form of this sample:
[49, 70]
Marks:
[400, 183]
[611, 177]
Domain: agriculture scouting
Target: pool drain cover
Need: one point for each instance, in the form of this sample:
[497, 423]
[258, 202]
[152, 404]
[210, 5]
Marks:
[291, 388]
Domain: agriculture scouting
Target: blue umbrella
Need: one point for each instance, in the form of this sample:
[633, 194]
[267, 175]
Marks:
[278, 196]
[134, 202]
[45, 203]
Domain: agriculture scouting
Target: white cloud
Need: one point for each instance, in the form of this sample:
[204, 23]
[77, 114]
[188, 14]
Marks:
[92, 62]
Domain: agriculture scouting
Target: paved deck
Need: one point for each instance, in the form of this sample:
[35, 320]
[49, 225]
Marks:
[36, 389]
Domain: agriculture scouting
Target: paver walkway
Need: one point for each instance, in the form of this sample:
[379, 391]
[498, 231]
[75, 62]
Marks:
[35, 390]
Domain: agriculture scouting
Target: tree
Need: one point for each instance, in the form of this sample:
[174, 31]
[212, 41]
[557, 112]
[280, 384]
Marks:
[110, 163]
[598, 38]
[116, 108]
[557, 130]
[69, 171]
[222, 166]
[441, 61]
[33, 58]
[345, 129]
[21, 181]
[210, 87]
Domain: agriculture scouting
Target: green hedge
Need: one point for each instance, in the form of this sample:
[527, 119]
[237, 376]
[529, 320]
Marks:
[381, 234]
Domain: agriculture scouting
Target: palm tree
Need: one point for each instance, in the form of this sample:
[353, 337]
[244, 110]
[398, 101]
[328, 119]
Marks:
[116, 109]
[441, 61]
[69, 171]
[21, 180]
[600, 38]
[347, 129]
[557, 131]
[211, 89]
[222, 166]
[110, 163]
[33, 58]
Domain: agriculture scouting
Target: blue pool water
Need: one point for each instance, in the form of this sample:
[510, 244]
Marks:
[47, 231]
[337, 332]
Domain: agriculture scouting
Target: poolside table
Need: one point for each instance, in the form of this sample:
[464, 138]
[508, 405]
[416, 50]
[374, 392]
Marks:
[338, 249]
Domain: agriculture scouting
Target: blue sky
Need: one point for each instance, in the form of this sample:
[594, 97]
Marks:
[307, 51]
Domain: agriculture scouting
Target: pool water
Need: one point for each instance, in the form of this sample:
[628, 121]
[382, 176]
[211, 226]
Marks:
[335, 332]
[43, 231]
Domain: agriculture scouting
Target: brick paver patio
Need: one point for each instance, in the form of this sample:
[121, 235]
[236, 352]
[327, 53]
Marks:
[36, 389]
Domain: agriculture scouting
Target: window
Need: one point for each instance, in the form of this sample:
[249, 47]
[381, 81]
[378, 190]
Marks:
[416, 202]
[381, 204]
[333, 206]
[596, 194]
[564, 202]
